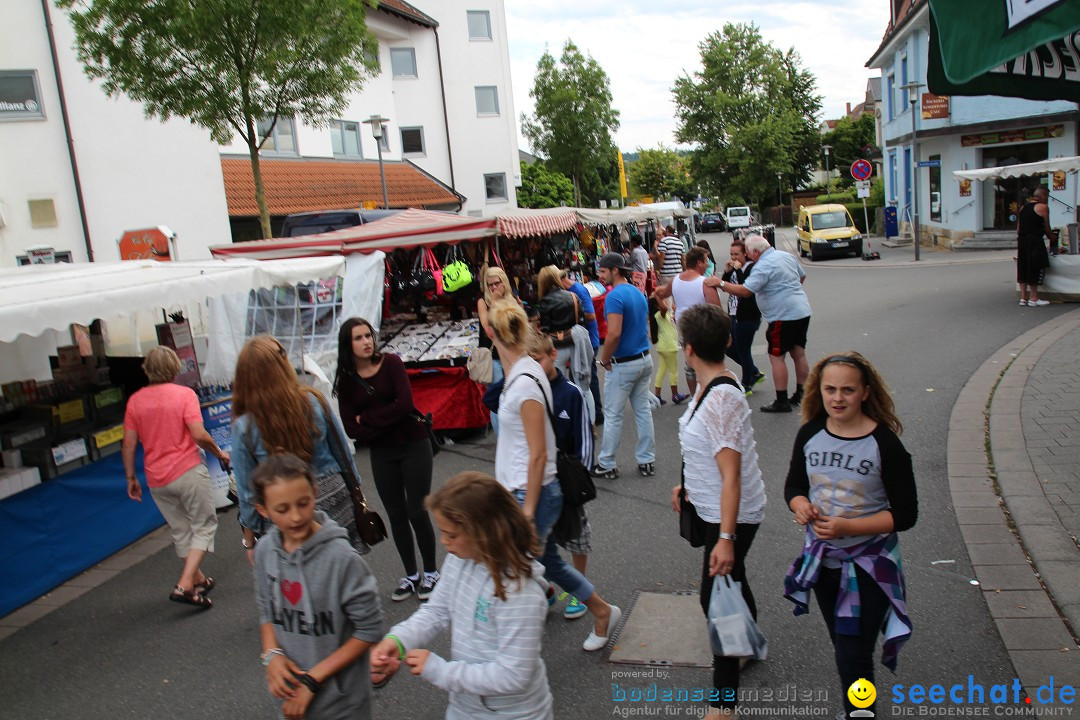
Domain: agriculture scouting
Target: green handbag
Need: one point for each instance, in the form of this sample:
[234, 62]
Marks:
[455, 273]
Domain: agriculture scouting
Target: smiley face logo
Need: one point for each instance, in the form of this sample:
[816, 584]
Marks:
[862, 694]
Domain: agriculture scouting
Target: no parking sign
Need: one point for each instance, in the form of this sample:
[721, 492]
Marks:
[861, 170]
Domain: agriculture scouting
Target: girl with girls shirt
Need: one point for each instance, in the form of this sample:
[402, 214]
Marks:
[851, 484]
[376, 405]
[491, 599]
[275, 414]
[318, 604]
[525, 461]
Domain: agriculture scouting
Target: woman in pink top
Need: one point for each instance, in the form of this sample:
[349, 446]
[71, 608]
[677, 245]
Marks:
[165, 417]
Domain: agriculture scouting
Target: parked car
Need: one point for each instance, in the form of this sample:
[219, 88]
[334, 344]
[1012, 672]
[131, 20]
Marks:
[827, 230]
[713, 222]
[737, 217]
[320, 221]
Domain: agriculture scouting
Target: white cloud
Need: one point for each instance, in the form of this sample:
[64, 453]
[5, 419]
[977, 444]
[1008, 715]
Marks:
[643, 46]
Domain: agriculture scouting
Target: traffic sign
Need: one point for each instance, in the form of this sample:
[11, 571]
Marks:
[861, 170]
[862, 188]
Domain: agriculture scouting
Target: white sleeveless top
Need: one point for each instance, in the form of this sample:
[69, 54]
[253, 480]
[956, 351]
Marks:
[687, 293]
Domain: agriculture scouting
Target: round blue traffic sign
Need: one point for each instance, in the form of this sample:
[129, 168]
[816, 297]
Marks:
[861, 169]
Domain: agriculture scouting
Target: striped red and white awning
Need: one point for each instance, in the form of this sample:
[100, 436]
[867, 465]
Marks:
[521, 222]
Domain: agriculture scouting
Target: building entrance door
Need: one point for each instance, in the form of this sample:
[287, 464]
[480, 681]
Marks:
[1003, 197]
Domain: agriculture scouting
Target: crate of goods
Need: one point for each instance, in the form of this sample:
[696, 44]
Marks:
[107, 403]
[105, 442]
[15, 480]
[61, 413]
[56, 459]
[15, 435]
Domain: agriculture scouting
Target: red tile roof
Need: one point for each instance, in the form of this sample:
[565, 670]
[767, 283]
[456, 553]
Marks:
[905, 10]
[300, 185]
[405, 10]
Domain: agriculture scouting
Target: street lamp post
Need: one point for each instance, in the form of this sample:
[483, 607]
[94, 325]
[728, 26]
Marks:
[780, 197]
[912, 89]
[828, 177]
[377, 123]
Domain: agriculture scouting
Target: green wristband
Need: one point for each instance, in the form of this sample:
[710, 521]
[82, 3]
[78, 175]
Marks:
[400, 647]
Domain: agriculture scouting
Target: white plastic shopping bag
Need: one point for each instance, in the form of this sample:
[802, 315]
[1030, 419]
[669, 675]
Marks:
[732, 630]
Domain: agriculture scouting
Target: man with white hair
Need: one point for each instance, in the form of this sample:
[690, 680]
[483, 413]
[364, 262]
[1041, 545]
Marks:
[776, 284]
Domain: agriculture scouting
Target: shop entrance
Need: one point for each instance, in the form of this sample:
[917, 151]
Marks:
[1003, 197]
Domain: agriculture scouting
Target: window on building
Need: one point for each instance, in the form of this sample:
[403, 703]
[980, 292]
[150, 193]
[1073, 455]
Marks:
[403, 62]
[281, 138]
[487, 100]
[412, 141]
[890, 96]
[892, 177]
[479, 24]
[935, 190]
[495, 186]
[20, 96]
[904, 98]
[345, 136]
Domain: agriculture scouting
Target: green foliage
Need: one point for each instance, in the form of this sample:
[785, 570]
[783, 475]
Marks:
[877, 192]
[574, 121]
[226, 64]
[856, 210]
[661, 173]
[751, 113]
[847, 196]
[543, 188]
[850, 140]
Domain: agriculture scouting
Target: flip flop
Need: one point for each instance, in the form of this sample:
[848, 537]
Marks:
[205, 586]
[190, 597]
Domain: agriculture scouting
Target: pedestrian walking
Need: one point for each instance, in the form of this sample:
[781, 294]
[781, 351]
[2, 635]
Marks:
[559, 310]
[491, 600]
[745, 317]
[1033, 222]
[625, 357]
[721, 477]
[686, 290]
[665, 338]
[669, 255]
[318, 603]
[376, 405]
[165, 418]
[852, 486]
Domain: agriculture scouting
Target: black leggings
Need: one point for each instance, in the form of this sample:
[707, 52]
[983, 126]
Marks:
[726, 669]
[402, 475]
[854, 653]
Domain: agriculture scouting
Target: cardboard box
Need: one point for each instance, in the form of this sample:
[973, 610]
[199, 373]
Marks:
[53, 460]
[15, 480]
[15, 435]
[68, 356]
[105, 442]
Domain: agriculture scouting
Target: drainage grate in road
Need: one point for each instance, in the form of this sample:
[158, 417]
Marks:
[662, 629]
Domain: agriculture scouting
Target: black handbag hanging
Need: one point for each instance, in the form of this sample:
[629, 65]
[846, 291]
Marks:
[691, 527]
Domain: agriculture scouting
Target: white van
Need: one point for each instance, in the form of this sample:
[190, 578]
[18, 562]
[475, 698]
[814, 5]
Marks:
[738, 217]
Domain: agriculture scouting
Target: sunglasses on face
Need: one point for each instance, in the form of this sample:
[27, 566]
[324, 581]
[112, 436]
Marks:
[495, 284]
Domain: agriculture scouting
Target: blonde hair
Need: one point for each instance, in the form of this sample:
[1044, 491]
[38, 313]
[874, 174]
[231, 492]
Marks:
[161, 365]
[540, 345]
[496, 272]
[878, 405]
[509, 323]
[550, 277]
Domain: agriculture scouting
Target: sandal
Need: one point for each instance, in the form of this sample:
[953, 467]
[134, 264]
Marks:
[190, 597]
[205, 586]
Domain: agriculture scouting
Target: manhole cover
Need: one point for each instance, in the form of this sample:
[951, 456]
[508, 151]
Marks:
[662, 629]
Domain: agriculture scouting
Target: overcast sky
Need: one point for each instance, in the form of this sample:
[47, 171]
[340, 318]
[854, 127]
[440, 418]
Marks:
[643, 45]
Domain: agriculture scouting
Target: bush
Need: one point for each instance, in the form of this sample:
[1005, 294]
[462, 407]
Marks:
[856, 210]
[837, 197]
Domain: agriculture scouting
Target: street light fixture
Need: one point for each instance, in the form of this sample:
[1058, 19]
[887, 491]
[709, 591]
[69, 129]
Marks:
[828, 177]
[377, 123]
[780, 197]
[912, 89]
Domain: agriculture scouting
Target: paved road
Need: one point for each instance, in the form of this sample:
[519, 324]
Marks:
[121, 650]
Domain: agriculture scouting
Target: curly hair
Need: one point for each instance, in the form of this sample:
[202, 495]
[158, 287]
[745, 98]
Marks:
[266, 387]
[493, 521]
[878, 405]
[346, 366]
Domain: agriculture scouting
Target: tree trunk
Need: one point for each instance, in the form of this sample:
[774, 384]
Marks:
[256, 173]
[577, 190]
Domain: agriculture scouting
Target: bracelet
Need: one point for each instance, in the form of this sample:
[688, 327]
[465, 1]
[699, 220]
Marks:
[400, 647]
[727, 536]
[267, 656]
[309, 682]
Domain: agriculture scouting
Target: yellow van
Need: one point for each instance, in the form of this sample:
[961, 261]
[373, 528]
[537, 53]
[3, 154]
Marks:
[827, 230]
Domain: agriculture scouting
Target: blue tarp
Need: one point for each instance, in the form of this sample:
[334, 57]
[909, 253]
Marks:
[56, 530]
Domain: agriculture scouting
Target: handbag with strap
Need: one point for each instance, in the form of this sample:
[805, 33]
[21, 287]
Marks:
[436, 274]
[456, 274]
[369, 525]
[691, 527]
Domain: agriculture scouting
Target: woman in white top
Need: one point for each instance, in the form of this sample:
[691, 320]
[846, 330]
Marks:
[525, 460]
[721, 475]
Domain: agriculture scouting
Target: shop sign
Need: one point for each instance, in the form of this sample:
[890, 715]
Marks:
[20, 97]
[965, 187]
[1013, 136]
[108, 437]
[146, 244]
[935, 107]
[71, 450]
[70, 411]
[41, 255]
[1059, 180]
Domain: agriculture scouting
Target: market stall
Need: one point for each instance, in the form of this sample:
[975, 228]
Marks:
[64, 506]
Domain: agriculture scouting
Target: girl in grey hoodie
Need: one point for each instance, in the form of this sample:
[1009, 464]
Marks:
[318, 605]
[491, 596]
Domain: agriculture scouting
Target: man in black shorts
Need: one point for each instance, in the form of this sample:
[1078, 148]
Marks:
[1031, 257]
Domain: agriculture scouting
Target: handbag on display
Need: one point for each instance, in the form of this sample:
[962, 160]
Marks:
[691, 527]
[422, 279]
[456, 274]
[436, 274]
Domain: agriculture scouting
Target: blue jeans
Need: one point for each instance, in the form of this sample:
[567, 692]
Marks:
[556, 569]
[628, 381]
[496, 376]
[742, 337]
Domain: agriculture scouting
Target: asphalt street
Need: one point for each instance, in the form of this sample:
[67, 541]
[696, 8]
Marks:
[123, 651]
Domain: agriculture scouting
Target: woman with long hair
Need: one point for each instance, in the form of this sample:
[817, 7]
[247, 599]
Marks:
[496, 287]
[560, 310]
[377, 410]
[274, 414]
[525, 461]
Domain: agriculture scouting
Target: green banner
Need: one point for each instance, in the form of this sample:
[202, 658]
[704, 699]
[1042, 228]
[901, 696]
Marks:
[973, 43]
[1050, 71]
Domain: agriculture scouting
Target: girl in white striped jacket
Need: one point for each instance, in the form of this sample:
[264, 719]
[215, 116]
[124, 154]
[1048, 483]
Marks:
[491, 596]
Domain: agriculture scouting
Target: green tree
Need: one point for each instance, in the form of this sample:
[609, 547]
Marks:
[662, 173]
[543, 188]
[750, 112]
[850, 140]
[226, 65]
[573, 121]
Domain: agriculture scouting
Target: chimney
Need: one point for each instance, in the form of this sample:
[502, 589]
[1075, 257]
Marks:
[849, 109]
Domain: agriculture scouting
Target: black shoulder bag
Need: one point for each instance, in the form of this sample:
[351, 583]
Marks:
[691, 527]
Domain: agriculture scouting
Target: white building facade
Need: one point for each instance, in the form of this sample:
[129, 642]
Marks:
[962, 133]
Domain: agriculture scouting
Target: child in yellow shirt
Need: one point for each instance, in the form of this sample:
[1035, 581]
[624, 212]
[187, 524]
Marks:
[665, 337]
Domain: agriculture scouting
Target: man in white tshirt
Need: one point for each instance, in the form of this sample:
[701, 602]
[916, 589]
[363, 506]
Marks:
[686, 290]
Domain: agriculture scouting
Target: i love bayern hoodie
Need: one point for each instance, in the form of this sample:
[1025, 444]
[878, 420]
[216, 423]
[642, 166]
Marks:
[317, 597]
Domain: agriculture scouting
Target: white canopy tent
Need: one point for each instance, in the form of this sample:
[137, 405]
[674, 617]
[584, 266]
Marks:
[1065, 164]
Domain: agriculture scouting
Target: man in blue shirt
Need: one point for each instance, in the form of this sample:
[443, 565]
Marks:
[776, 283]
[626, 359]
[589, 311]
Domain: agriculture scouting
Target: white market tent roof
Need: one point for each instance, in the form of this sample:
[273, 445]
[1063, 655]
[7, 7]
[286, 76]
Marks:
[1065, 164]
[37, 298]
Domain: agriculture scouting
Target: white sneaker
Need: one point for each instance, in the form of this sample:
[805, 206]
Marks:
[599, 642]
[1038, 303]
[1023, 303]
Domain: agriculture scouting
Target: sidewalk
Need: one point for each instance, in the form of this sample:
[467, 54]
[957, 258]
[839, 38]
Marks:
[1014, 474]
[892, 257]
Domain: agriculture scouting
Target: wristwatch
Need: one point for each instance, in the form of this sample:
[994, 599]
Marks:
[727, 536]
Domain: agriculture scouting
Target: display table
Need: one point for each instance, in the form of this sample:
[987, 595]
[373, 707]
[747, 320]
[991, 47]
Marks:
[56, 530]
[450, 395]
[1062, 281]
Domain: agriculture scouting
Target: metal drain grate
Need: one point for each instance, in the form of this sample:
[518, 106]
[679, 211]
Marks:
[662, 630]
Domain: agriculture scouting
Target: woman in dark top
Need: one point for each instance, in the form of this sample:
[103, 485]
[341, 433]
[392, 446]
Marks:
[1031, 256]
[745, 317]
[376, 405]
[559, 312]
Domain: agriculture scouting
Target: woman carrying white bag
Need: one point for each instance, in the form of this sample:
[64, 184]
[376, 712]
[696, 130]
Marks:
[721, 500]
